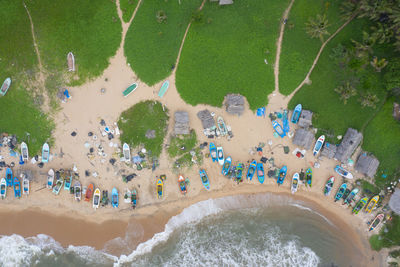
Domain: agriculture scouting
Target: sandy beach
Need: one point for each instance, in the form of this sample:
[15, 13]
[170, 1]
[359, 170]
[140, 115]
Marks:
[77, 223]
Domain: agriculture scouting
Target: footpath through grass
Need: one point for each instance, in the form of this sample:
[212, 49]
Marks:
[90, 29]
[137, 120]
[19, 116]
[298, 48]
[152, 45]
[225, 52]
[127, 7]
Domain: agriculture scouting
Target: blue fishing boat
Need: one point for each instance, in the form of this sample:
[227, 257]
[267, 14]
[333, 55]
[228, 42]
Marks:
[114, 198]
[204, 179]
[278, 129]
[9, 178]
[343, 172]
[251, 170]
[226, 166]
[213, 152]
[68, 182]
[260, 172]
[296, 114]
[285, 121]
[340, 192]
[282, 175]
[163, 89]
[17, 187]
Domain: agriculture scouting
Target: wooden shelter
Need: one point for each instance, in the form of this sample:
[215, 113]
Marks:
[206, 119]
[304, 138]
[349, 144]
[305, 119]
[234, 104]
[367, 164]
[328, 150]
[394, 202]
[181, 122]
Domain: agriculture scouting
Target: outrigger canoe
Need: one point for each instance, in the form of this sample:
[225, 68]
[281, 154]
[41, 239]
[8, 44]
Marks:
[163, 89]
[378, 219]
[114, 198]
[309, 177]
[221, 126]
[89, 192]
[340, 192]
[17, 187]
[3, 188]
[226, 166]
[371, 204]
[318, 145]
[213, 152]
[329, 185]
[220, 155]
[251, 170]
[278, 129]
[160, 188]
[25, 185]
[126, 152]
[9, 177]
[50, 179]
[350, 197]
[360, 205]
[24, 151]
[57, 187]
[45, 153]
[285, 121]
[282, 175]
[295, 182]
[5, 86]
[343, 172]
[78, 191]
[134, 198]
[96, 198]
[71, 61]
[204, 179]
[131, 88]
[182, 184]
[260, 172]
[296, 114]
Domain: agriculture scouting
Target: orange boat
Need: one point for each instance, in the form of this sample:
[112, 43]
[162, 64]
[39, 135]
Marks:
[89, 192]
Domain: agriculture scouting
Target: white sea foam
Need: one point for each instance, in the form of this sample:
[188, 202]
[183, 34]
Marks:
[297, 205]
[17, 251]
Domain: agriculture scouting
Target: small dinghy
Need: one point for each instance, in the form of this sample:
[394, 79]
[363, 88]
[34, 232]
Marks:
[114, 198]
[45, 153]
[220, 155]
[24, 151]
[204, 179]
[221, 126]
[343, 172]
[160, 188]
[163, 89]
[71, 61]
[25, 185]
[89, 192]
[77, 191]
[295, 182]
[126, 152]
[226, 166]
[9, 177]
[182, 184]
[282, 175]
[3, 188]
[96, 198]
[278, 129]
[329, 186]
[260, 172]
[5, 86]
[50, 179]
[309, 177]
[213, 152]
[251, 170]
[372, 203]
[318, 145]
[131, 88]
[296, 114]
[340, 192]
[134, 198]
[57, 187]
[377, 221]
[17, 187]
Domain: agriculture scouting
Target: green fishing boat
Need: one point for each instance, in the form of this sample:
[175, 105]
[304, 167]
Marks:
[163, 89]
[130, 89]
[360, 205]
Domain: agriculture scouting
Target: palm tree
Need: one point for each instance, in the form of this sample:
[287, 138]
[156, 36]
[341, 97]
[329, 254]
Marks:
[348, 9]
[368, 100]
[346, 91]
[364, 49]
[317, 27]
[379, 64]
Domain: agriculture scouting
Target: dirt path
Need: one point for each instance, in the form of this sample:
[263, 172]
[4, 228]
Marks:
[307, 78]
[126, 25]
[279, 46]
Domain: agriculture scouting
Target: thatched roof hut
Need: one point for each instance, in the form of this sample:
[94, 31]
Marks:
[305, 119]
[234, 104]
[181, 122]
[367, 164]
[304, 138]
[328, 150]
[394, 202]
[349, 144]
[206, 119]
[396, 111]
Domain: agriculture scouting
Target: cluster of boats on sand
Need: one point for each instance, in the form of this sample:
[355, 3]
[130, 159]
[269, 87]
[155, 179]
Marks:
[15, 183]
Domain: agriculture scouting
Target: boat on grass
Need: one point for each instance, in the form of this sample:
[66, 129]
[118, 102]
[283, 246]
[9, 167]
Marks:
[251, 170]
[295, 183]
[57, 187]
[134, 198]
[9, 177]
[296, 114]
[96, 198]
[24, 151]
[204, 179]
[25, 185]
[340, 192]
[5, 86]
[182, 184]
[343, 172]
[50, 179]
[377, 221]
[45, 153]
[350, 197]
[226, 166]
[3, 188]
[221, 126]
[282, 175]
[89, 192]
[126, 152]
[278, 129]
[260, 172]
[160, 188]
[371, 204]
[309, 177]
[77, 191]
[360, 205]
[329, 186]
[71, 61]
[131, 88]
[17, 187]
[220, 155]
[318, 145]
[163, 89]
[213, 152]
[114, 198]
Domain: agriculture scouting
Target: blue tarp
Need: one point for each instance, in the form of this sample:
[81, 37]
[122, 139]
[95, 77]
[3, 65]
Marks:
[261, 112]
[66, 93]
[137, 159]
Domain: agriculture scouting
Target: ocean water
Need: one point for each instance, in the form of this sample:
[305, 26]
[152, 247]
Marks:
[257, 230]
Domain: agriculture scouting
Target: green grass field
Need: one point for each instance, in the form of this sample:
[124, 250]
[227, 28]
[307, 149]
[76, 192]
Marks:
[127, 8]
[389, 238]
[137, 120]
[19, 116]
[151, 47]
[225, 53]
[298, 48]
[90, 29]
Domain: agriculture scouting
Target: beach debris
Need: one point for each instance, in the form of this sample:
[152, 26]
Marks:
[73, 133]
[286, 150]
[90, 134]
[102, 122]
[150, 134]
[103, 90]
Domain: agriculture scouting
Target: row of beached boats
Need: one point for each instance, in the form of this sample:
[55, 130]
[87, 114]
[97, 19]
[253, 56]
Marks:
[45, 152]
[131, 88]
[15, 183]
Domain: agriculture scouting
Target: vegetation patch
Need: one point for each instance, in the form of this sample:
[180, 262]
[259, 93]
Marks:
[224, 52]
[155, 35]
[182, 144]
[127, 7]
[389, 235]
[89, 29]
[140, 119]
